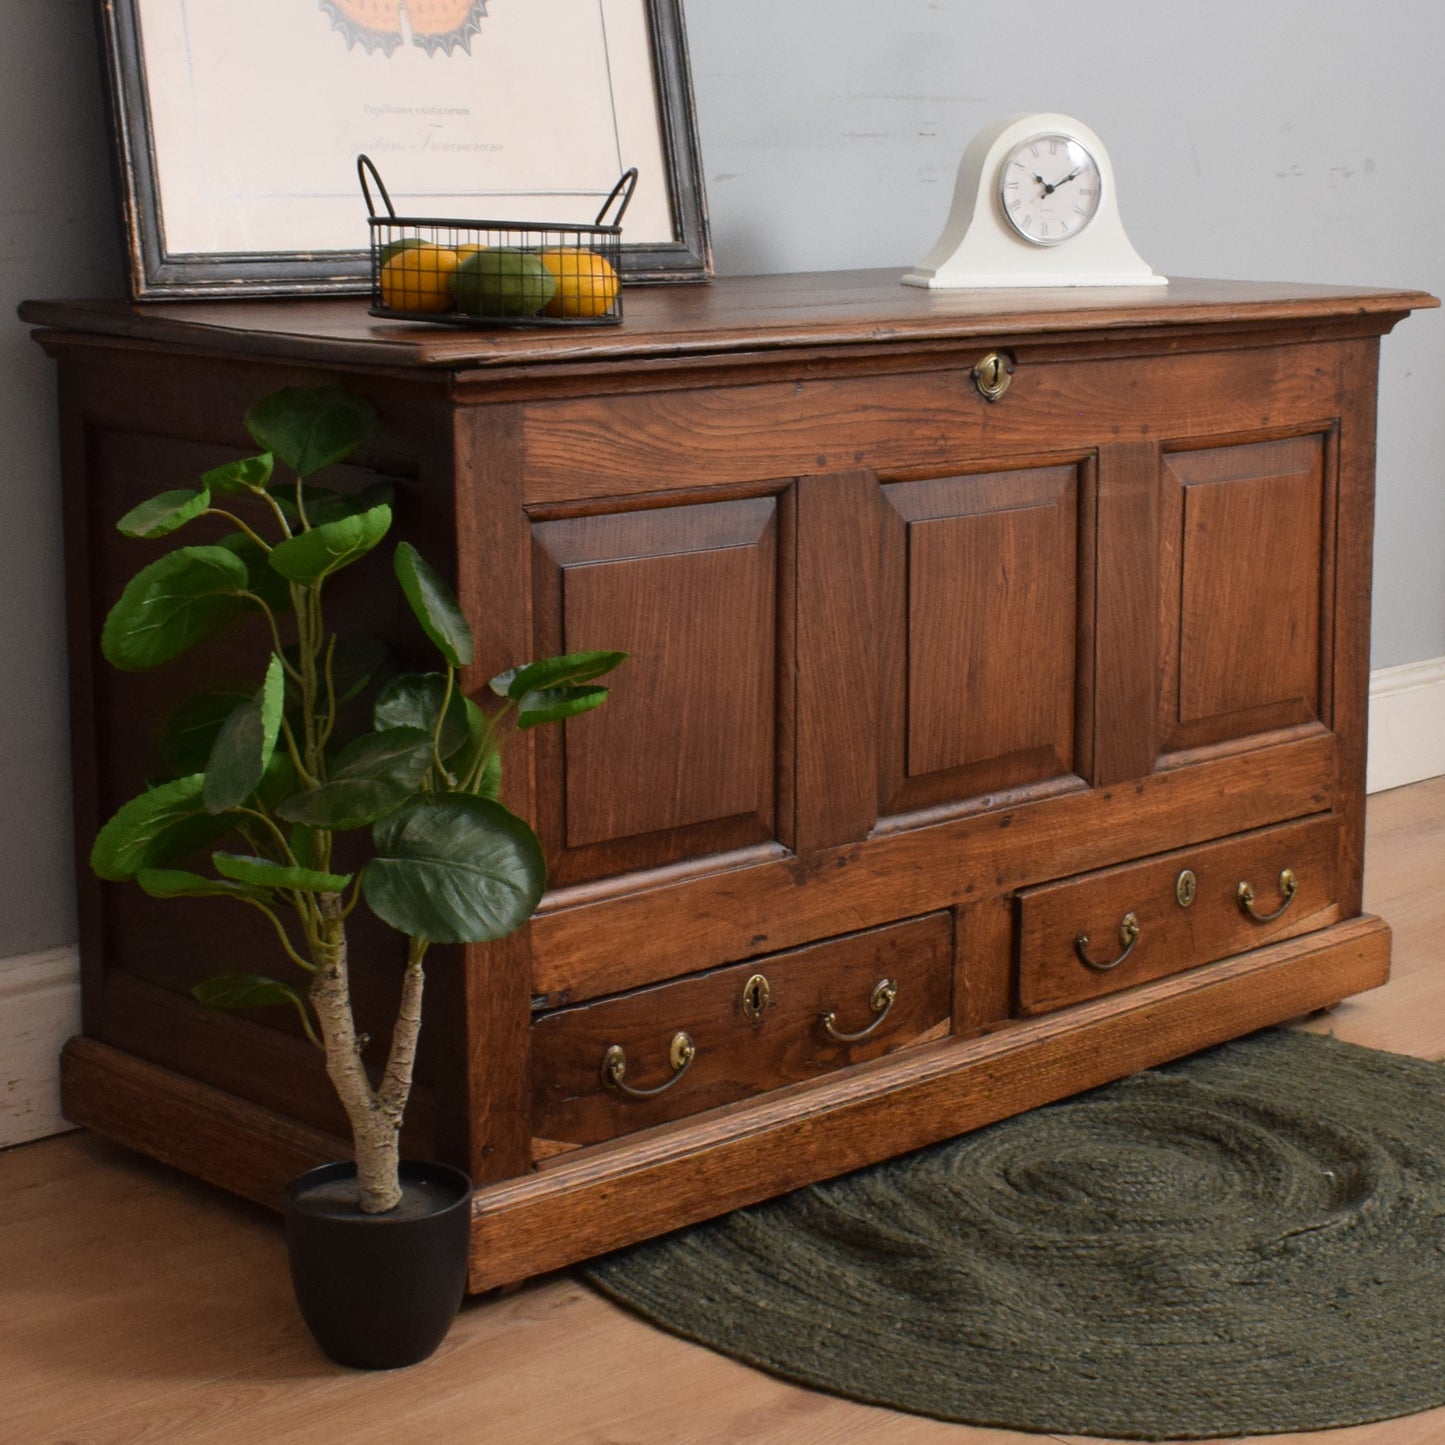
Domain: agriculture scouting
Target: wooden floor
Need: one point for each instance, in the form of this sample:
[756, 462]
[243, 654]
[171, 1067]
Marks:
[137, 1305]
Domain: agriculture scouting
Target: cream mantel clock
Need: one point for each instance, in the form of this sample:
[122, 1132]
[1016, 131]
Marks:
[1035, 205]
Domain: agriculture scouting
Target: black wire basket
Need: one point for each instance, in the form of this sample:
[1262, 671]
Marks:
[495, 273]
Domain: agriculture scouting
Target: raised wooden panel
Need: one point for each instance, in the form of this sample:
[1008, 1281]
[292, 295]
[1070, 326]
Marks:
[682, 758]
[981, 634]
[1247, 556]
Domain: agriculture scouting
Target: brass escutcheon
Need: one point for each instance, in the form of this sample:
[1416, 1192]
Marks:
[757, 995]
[992, 376]
[1186, 887]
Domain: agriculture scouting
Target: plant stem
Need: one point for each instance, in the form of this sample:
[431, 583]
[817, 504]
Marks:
[396, 1082]
[281, 933]
[375, 1129]
[260, 541]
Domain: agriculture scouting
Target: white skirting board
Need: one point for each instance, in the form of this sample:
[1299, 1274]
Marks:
[1407, 724]
[39, 1010]
[40, 992]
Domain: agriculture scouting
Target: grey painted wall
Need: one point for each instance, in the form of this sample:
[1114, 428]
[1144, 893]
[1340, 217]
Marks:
[57, 237]
[1284, 140]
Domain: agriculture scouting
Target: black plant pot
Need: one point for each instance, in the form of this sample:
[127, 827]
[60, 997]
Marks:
[379, 1291]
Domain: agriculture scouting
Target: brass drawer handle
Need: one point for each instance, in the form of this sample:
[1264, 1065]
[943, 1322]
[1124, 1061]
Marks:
[680, 1055]
[885, 991]
[1288, 887]
[1128, 937]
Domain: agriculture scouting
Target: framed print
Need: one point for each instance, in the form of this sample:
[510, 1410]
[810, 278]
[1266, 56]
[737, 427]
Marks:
[238, 128]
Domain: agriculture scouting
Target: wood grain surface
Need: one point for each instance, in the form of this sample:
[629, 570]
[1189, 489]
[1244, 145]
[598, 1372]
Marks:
[193, 1339]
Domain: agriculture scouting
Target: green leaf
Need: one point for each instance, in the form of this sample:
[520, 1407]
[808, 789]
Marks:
[490, 785]
[554, 672]
[263, 873]
[326, 549]
[176, 602]
[454, 869]
[271, 587]
[552, 704]
[162, 514]
[250, 990]
[413, 699]
[188, 734]
[466, 758]
[177, 883]
[310, 427]
[326, 504]
[250, 475]
[435, 605]
[244, 746]
[373, 776]
[281, 780]
[162, 823]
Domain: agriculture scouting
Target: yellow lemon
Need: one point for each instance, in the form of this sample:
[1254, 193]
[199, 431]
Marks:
[586, 283]
[406, 243]
[470, 249]
[419, 279]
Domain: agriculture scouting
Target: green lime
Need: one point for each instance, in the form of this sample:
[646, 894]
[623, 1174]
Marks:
[503, 281]
[392, 248]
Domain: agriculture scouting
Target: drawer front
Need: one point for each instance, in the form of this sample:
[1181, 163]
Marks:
[1092, 935]
[610, 1067]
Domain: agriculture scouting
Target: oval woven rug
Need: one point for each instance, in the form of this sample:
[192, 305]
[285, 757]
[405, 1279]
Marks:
[1246, 1242]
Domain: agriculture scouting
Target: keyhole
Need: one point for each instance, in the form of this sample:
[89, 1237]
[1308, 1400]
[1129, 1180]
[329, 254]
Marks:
[992, 376]
[756, 995]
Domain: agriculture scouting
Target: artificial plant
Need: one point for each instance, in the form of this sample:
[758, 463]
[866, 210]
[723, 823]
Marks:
[329, 758]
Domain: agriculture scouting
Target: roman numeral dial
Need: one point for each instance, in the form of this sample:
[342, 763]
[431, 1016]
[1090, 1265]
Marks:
[1048, 188]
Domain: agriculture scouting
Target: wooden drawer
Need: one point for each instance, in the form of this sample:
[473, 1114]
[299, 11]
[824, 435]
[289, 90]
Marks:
[1096, 915]
[744, 1039]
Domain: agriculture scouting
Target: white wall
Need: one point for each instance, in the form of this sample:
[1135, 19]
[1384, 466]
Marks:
[1276, 139]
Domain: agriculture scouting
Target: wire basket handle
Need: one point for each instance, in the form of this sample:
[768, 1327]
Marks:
[363, 165]
[624, 188]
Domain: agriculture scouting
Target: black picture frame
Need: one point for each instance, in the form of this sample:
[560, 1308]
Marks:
[158, 273]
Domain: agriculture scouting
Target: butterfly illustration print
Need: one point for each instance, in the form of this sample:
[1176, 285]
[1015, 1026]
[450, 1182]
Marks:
[384, 24]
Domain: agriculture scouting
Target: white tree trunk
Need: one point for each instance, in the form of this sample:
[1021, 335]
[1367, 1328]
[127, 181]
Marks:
[375, 1115]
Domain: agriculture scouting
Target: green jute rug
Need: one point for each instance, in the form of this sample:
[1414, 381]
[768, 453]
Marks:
[1246, 1242]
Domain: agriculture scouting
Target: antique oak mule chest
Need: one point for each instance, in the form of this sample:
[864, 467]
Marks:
[994, 724]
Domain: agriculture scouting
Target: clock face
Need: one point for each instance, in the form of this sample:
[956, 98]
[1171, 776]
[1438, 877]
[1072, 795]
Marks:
[1049, 188]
